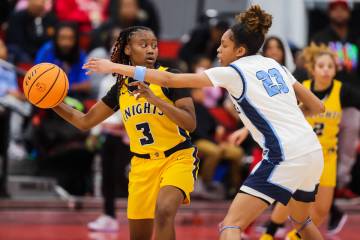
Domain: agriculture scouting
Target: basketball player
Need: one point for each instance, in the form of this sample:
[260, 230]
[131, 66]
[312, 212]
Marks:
[265, 95]
[157, 120]
[321, 64]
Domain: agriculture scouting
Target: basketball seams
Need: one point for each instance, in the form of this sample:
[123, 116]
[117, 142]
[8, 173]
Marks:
[41, 97]
[64, 91]
[37, 79]
[59, 70]
[36, 67]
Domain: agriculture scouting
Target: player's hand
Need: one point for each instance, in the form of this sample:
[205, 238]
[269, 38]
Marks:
[238, 136]
[98, 65]
[143, 91]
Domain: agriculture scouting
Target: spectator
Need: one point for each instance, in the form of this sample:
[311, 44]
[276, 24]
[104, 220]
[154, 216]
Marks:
[23, 4]
[147, 13]
[65, 52]
[8, 83]
[115, 156]
[102, 52]
[87, 13]
[204, 40]
[345, 42]
[28, 29]
[214, 95]
[274, 48]
[209, 138]
[12, 98]
[278, 50]
[300, 72]
[10, 121]
[128, 13]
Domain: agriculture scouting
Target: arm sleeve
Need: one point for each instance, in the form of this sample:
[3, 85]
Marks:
[226, 77]
[349, 96]
[111, 98]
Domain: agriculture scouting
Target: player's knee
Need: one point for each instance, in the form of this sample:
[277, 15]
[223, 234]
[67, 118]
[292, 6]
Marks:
[164, 213]
[320, 213]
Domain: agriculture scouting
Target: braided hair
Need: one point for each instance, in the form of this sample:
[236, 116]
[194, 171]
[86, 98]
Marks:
[118, 54]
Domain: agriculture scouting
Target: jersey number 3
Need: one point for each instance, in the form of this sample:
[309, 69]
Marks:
[271, 88]
[145, 128]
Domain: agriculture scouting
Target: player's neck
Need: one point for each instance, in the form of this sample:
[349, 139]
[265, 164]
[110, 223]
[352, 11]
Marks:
[321, 86]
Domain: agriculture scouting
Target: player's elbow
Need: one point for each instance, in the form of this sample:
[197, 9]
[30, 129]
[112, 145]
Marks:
[168, 81]
[83, 126]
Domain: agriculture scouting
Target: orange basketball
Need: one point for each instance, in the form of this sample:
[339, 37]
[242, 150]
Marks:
[45, 85]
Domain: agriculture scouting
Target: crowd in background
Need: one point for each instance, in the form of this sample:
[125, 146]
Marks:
[68, 32]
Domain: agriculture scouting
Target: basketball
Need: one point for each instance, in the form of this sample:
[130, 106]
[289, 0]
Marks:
[45, 85]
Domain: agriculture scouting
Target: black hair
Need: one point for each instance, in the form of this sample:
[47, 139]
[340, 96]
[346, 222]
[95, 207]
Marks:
[74, 55]
[118, 54]
[281, 45]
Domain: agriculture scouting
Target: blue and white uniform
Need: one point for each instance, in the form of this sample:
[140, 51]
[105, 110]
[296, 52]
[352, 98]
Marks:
[263, 95]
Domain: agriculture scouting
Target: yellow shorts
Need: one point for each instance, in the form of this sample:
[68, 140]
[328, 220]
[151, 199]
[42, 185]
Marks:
[328, 177]
[147, 176]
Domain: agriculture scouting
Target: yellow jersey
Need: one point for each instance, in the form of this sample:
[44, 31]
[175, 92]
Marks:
[149, 129]
[326, 125]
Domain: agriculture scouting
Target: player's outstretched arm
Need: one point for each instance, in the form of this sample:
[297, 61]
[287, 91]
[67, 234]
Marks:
[309, 103]
[84, 121]
[162, 78]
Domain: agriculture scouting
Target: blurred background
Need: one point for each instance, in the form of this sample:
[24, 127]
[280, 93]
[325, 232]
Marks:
[47, 165]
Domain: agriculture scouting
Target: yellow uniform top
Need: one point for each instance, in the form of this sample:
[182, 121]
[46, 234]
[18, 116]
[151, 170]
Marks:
[149, 129]
[326, 125]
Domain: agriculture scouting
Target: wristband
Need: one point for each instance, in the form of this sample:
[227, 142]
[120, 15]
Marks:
[139, 73]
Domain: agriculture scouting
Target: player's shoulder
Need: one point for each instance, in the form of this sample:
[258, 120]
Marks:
[253, 61]
[161, 67]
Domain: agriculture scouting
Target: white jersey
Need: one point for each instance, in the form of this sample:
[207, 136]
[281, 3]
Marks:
[262, 92]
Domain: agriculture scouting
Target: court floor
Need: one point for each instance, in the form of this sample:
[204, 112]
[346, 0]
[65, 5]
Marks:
[54, 221]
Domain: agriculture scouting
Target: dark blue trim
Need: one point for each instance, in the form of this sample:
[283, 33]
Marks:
[242, 77]
[184, 134]
[272, 142]
[304, 196]
[196, 163]
[259, 181]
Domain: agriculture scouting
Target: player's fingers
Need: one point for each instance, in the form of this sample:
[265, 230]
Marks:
[137, 83]
[138, 91]
[143, 85]
[89, 65]
[93, 59]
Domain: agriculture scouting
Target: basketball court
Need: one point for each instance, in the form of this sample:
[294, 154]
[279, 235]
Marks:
[54, 220]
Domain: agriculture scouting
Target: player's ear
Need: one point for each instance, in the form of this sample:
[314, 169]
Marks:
[127, 50]
[240, 51]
